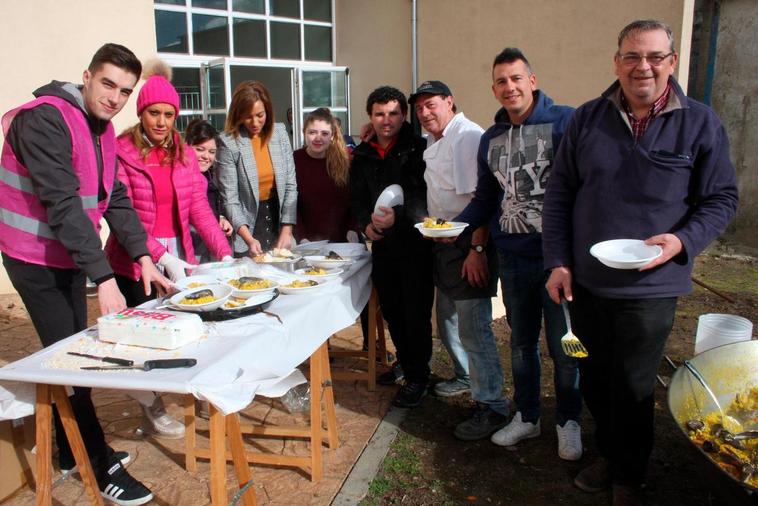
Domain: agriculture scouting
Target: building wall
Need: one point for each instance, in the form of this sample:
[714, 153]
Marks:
[373, 39]
[735, 100]
[570, 45]
[42, 40]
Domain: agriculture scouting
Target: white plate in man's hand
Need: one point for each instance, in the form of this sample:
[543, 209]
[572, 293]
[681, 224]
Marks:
[453, 231]
[391, 196]
[625, 253]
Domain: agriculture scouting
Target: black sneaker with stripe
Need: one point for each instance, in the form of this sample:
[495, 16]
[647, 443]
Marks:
[69, 466]
[118, 486]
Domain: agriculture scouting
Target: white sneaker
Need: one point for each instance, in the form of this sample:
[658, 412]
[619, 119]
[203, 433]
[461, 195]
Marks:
[515, 431]
[569, 441]
[160, 423]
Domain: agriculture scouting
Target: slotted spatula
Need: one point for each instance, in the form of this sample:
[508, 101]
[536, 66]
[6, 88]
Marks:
[571, 344]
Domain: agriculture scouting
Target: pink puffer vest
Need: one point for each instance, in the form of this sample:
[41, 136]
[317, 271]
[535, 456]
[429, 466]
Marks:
[190, 188]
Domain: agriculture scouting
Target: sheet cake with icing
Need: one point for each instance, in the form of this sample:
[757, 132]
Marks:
[152, 329]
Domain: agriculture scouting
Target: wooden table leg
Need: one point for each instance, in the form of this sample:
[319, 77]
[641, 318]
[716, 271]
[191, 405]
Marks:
[241, 467]
[331, 415]
[218, 457]
[44, 421]
[190, 434]
[76, 443]
[316, 379]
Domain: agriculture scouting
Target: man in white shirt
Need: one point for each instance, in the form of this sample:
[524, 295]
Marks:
[463, 270]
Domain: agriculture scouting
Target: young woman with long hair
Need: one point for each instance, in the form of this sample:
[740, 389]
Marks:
[323, 170]
[256, 173]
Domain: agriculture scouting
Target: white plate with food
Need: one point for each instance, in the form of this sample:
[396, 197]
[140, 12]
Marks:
[196, 281]
[221, 270]
[346, 249]
[309, 246]
[299, 286]
[277, 255]
[254, 300]
[247, 286]
[326, 262]
[391, 196]
[625, 253]
[206, 298]
[319, 273]
[437, 227]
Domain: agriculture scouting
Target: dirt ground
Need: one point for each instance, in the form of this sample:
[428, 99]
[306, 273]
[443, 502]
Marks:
[428, 466]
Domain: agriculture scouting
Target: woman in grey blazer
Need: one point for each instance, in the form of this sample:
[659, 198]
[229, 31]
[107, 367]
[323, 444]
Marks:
[256, 173]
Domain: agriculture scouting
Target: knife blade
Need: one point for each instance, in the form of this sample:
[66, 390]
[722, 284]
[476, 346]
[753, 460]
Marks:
[111, 360]
[149, 365]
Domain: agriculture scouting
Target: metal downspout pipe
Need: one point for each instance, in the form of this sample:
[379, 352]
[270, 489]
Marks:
[414, 40]
[414, 63]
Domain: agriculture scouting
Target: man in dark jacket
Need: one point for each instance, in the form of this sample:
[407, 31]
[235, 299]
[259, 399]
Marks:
[515, 159]
[402, 264]
[58, 180]
[645, 162]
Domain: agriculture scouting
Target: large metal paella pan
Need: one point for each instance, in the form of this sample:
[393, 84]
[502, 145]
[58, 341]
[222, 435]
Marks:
[729, 370]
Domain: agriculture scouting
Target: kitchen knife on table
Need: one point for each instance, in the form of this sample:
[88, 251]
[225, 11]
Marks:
[111, 360]
[149, 365]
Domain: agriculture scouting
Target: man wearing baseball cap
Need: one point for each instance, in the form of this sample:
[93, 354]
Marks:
[464, 270]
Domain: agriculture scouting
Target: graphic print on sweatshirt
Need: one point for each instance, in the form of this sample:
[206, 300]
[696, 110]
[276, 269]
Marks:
[521, 158]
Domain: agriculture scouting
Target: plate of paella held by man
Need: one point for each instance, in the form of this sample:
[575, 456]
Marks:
[438, 227]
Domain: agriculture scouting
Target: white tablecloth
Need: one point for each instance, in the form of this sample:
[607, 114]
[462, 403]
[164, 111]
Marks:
[239, 359]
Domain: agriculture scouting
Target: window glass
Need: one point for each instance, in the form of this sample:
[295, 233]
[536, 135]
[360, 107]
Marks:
[216, 94]
[171, 2]
[284, 8]
[324, 89]
[210, 35]
[285, 41]
[249, 6]
[171, 32]
[250, 38]
[318, 10]
[318, 43]
[210, 4]
[217, 120]
[187, 84]
[184, 119]
[342, 115]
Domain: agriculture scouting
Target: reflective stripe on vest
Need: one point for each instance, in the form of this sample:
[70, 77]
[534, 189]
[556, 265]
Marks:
[24, 184]
[26, 224]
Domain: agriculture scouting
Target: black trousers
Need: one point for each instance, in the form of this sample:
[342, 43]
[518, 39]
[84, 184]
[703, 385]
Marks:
[133, 291]
[625, 339]
[57, 304]
[406, 295]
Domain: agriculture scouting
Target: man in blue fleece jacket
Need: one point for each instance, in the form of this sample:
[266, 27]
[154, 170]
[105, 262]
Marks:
[643, 161]
[515, 159]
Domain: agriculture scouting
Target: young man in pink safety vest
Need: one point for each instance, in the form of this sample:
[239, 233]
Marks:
[57, 180]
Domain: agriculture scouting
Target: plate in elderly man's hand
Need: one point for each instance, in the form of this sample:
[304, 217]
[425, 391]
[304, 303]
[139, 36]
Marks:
[625, 253]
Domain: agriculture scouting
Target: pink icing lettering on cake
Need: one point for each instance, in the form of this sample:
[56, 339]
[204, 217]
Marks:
[152, 329]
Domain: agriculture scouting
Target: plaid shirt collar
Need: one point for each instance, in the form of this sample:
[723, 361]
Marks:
[639, 126]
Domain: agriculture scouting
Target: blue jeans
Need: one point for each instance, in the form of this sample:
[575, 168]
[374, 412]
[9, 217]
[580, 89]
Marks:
[469, 322]
[447, 326]
[526, 302]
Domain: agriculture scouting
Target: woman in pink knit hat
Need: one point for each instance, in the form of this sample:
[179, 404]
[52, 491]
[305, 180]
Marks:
[168, 192]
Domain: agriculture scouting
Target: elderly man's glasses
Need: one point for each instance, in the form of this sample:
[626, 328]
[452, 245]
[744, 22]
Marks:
[633, 59]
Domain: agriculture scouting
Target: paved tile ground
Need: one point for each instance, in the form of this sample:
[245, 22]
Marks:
[159, 463]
